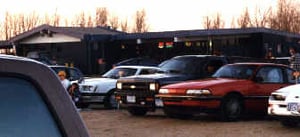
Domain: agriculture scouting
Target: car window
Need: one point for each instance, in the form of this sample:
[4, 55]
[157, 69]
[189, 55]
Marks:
[23, 111]
[120, 72]
[148, 71]
[74, 74]
[212, 66]
[178, 66]
[270, 75]
[235, 71]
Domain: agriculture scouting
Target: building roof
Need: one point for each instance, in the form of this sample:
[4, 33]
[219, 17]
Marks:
[77, 32]
[194, 33]
[105, 33]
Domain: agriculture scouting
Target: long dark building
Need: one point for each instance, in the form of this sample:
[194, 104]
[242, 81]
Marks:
[95, 49]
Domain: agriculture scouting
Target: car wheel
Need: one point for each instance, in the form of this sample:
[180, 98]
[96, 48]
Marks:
[110, 101]
[135, 111]
[172, 114]
[289, 122]
[231, 108]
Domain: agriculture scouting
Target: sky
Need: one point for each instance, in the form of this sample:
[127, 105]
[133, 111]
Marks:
[161, 15]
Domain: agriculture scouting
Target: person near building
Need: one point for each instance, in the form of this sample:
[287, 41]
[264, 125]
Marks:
[65, 82]
[295, 62]
[294, 59]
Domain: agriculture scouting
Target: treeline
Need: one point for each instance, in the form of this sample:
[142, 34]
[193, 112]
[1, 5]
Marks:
[285, 17]
[15, 24]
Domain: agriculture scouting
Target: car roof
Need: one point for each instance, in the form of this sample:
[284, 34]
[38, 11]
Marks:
[257, 63]
[138, 67]
[60, 66]
[193, 56]
[53, 92]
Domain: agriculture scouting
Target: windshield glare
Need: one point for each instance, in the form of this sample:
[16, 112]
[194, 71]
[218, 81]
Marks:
[120, 72]
[235, 71]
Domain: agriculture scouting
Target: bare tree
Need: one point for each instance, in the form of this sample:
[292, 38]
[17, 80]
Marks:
[261, 19]
[287, 16]
[244, 21]
[218, 22]
[101, 17]
[6, 26]
[140, 22]
[66, 22]
[47, 19]
[32, 20]
[207, 23]
[90, 21]
[114, 22]
[124, 26]
[80, 20]
[55, 19]
[232, 24]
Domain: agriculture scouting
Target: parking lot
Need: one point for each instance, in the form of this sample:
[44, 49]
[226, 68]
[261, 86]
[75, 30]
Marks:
[118, 123]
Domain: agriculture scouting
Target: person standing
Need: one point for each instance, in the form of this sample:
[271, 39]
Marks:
[295, 59]
[74, 92]
[64, 81]
[295, 62]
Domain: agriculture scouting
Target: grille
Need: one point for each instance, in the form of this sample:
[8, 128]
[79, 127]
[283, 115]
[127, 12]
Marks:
[135, 86]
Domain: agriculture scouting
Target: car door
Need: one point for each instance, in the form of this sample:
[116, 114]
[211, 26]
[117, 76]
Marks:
[267, 80]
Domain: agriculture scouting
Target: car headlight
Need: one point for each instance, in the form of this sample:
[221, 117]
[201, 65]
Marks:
[163, 91]
[153, 86]
[198, 91]
[277, 97]
[119, 85]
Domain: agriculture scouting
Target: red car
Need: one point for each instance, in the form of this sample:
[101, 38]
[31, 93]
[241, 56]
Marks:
[233, 90]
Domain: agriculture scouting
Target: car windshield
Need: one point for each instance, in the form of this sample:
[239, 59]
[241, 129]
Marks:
[119, 72]
[184, 66]
[235, 71]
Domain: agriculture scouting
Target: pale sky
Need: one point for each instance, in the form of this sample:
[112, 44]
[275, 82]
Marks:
[161, 15]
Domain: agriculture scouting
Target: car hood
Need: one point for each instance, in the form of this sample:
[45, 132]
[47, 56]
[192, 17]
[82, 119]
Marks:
[206, 83]
[163, 79]
[95, 81]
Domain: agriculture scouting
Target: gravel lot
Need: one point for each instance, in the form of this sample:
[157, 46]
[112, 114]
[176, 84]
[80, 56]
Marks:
[119, 123]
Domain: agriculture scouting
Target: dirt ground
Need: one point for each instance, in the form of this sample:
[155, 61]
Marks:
[119, 123]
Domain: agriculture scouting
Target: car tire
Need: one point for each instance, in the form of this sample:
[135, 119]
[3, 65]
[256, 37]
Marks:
[136, 111]
[110, 101]
[231, 108]
[172, 114]
[289, 122]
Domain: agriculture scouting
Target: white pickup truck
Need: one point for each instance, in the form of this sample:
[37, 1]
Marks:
[101, 90]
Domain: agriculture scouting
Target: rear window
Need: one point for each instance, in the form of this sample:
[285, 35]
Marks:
[23, 112]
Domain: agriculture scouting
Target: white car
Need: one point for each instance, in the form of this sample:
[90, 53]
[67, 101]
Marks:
[101, 90]
[284, 104]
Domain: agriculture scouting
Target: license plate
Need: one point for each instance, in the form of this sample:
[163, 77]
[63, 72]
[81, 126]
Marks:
[293, 106]
[159, 103]
[130, 99]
